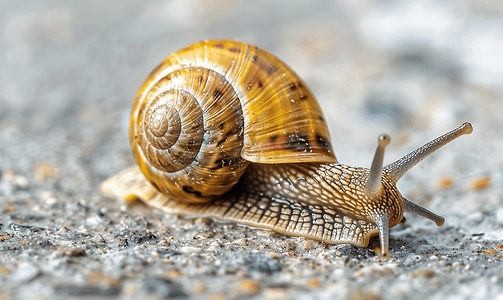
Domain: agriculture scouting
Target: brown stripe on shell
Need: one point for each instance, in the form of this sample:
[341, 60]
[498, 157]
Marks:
[297, 141]
[273, 138]
[191, 190]
[217, 94]
[323, 142]
[262, 65]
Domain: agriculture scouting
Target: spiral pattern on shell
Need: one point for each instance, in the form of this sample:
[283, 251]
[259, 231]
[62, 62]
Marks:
[208, 110]
[171, 136]
[190, 130]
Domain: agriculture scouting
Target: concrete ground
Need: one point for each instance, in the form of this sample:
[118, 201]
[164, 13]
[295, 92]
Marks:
[414, 69]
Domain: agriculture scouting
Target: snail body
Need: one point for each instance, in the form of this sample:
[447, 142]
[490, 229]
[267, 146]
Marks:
[226, 130]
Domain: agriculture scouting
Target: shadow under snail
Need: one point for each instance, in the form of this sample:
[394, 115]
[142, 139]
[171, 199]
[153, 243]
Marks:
[224, 129]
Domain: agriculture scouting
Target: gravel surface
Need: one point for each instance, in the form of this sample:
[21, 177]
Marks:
[412, 69]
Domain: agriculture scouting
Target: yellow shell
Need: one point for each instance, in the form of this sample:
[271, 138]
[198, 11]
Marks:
[224, 129]
[209, 109]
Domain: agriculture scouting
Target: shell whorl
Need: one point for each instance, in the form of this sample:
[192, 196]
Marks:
[171, 135]
[188, 134]
[209, 109]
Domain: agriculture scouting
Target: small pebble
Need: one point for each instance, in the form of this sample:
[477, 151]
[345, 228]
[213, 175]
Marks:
[97, 278]
[130, 289]
[412, 259]
[423, 273]
[204, 221]
[362, 295]
[45, 171]
[18, 180]
[200, 288]
[490, 251]
[174, 274]
[204, 235]
[26, 271]
[313, 283]
[480, 183]
[73, 252]
[248, 286]
[217, 297]
[188, 249]
[275, 293]
[242, 242]
[309, 245]
[5, 236]
[445, 183]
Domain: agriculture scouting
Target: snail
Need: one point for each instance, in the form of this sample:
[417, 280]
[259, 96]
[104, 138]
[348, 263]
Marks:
[226, 130]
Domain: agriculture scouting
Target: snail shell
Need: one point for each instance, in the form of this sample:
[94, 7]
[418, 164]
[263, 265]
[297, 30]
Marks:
[226, 130]
[210, 109]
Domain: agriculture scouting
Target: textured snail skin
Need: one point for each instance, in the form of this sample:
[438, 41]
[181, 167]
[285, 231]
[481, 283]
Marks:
[224, 129]
[309, 200]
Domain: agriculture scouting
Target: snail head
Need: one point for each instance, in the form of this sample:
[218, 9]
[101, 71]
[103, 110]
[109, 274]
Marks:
[375, 189]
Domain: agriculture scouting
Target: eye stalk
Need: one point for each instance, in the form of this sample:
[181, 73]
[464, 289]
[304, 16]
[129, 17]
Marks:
[395, 171]
[373, 188]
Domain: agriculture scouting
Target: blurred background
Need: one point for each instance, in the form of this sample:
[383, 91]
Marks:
[69, 71]
[413, 69]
